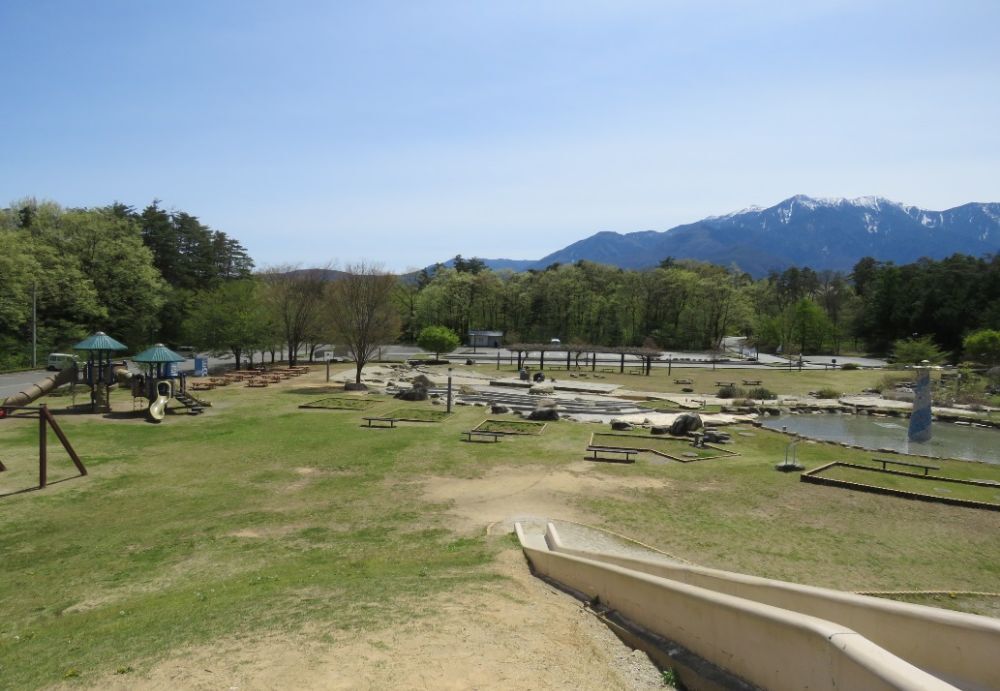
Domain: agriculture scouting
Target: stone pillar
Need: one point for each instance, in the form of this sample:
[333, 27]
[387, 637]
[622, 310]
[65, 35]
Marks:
[920, 418]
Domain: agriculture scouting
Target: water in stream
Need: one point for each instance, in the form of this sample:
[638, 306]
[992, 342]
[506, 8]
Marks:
[949, 440]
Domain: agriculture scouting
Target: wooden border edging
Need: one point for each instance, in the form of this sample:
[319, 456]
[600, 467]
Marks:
[813, 477]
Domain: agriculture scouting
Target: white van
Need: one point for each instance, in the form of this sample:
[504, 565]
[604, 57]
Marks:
[60, 361]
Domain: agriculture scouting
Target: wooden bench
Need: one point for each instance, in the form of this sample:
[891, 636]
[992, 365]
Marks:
[383, 420]
[751, 382]
[725, 383]
[627, 453]
[201, 386]
[494, 436]
[927, 468]
[683, 381]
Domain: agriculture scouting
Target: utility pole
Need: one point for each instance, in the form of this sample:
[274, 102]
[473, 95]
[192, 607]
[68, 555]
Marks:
[449, 389]
[34, 324]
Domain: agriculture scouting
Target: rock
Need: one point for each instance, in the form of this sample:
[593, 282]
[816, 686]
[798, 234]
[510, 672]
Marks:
[417, 393]
[498, 409]
[434, 395]
[659, 429]
[714, 437]
[470, 361]
[545, 414]
[621, 425]
[687, 389]
[541, 389]
[354, 386]
[685, 423]
[436, 402]
[423, 381]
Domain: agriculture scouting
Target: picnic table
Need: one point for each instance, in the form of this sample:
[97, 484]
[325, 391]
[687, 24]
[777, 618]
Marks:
[388, 422]
[683, 381]
[725, 383]
[751, 382]
[495, 436]
[927, 468]
[256, 383]
[627, 453]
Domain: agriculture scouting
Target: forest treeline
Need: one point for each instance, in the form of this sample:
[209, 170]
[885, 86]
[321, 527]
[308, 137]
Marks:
[692, 305]
[158, 275]
[133, 274]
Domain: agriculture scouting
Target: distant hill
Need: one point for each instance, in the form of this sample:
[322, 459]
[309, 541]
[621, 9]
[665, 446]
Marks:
[800, 231]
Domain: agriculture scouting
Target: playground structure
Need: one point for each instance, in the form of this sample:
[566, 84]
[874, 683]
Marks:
[768, 633]
[160, 383]
[46, 421]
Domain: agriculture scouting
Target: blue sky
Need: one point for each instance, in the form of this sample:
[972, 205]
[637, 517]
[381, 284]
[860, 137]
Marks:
[406, 132]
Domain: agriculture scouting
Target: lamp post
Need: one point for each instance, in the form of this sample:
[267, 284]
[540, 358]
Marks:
[449, 389]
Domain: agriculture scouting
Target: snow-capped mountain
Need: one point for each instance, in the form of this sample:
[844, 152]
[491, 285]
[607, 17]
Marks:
[802, 231]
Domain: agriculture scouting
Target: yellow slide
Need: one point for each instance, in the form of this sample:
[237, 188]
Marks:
[158, 408]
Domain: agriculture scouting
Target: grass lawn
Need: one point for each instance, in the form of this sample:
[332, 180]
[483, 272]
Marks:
[257, 517]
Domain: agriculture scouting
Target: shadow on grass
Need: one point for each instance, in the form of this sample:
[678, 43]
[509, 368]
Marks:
[36, 488]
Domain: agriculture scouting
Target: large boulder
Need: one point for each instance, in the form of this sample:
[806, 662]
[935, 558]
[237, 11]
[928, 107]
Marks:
[685, 423]
[659, 429]
[545, 413]
[354, 386]
[621, 425]
[422, 381]
[498, 409]
[417, 393]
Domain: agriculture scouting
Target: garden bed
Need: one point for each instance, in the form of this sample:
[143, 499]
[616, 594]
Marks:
[932, 488]
[418, 414]
[341, 403]
[511, 427]
[676, 449]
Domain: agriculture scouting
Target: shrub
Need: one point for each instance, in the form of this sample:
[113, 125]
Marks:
[731, 392]
[890, 381]
[849, 366]
[827, 392]
[761, 393]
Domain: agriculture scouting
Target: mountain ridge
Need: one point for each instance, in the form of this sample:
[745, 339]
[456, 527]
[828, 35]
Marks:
[822, 233]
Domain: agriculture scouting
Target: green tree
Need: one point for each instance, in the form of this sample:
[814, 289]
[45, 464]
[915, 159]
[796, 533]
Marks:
[983, 346]
[231, 317]
[913, 351]
[438, 339]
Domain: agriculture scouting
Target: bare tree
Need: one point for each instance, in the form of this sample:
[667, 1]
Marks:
[295, 297]
[362, 311]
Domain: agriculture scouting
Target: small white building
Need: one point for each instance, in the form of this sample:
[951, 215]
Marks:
[485, 339]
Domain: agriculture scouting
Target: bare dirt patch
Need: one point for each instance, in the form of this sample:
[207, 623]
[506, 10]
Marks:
[518, 634]
[507, 495]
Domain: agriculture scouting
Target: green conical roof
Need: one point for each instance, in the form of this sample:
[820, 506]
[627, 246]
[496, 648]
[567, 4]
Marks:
[158, 353]
[99, 341]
